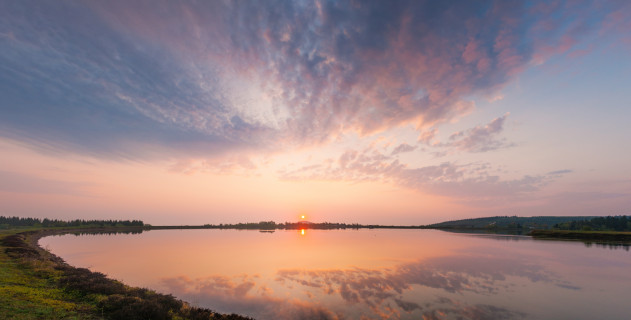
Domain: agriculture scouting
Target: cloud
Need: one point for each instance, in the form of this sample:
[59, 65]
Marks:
[353, 165]
[470, 182]
[407, 306]
[563, 34]
[477, 139]
[238, 164]
[427, 136]
[403, 148]
[71, 82]
[162, 79]
[559, 172]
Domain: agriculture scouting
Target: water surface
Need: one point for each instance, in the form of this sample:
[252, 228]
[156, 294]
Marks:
[371, 274]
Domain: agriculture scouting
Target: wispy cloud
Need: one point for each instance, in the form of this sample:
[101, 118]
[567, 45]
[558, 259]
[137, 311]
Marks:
[460, 181]
[560, 172]
[157, 79]
[403, 148]
[231, 164]
[480, 138]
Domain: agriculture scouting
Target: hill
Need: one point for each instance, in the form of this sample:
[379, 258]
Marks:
[506, 222]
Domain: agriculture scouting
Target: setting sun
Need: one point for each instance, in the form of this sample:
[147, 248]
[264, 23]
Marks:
[302, 216]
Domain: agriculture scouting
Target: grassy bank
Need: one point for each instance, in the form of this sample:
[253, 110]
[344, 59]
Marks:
[26, 293]
[35, 284]
[583, 235]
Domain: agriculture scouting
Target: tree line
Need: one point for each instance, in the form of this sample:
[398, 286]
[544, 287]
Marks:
[6, 222]
[271, 225]
[609, 223]
[508, 222]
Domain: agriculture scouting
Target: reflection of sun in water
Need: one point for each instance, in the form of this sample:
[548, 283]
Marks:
[302, 232]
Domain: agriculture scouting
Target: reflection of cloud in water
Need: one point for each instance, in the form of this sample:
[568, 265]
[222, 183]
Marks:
[380, 293]
[477, 312]
[241, 295]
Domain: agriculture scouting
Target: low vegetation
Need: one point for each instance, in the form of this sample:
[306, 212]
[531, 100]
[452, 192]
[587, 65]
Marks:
[9, 222]
[39, 285]
[608, 236]
[618, 223]
[506, 222]
[604, 230]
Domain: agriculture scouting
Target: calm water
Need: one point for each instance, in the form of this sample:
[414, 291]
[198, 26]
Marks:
[374, 274]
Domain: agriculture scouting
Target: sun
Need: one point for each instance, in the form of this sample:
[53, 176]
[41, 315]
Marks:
[302, 216]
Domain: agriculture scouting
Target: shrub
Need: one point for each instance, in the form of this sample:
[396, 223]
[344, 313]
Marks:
[87, 282]
[121, 307]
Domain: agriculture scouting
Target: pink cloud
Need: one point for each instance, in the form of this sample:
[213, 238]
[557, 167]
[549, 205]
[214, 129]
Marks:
[238, 295]
[366, 75]
[212, 78]
[236, 164]
[403, 148]
[480, 138]
[372, 293]
[469, 183]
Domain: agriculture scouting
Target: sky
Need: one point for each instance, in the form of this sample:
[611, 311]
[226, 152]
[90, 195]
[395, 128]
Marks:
[388, 112]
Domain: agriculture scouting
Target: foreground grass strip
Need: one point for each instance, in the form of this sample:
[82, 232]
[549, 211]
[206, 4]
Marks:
[35, 284]
[28, 290]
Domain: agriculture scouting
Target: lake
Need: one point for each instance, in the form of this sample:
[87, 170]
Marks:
[367, 273]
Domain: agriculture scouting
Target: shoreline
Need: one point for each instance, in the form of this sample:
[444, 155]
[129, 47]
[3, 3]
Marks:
[37, 284]
[605, 236]
[31, 272]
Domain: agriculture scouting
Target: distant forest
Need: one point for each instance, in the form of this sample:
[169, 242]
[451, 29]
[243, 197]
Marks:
[618, 223]
[610, 223]
[6, 222]
[508, 222]
[271, 225]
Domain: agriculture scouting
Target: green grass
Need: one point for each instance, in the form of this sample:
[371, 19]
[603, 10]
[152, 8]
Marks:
[28, 290]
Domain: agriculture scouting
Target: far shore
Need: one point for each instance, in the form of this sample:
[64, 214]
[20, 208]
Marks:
[551, 234]
[620, 236]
